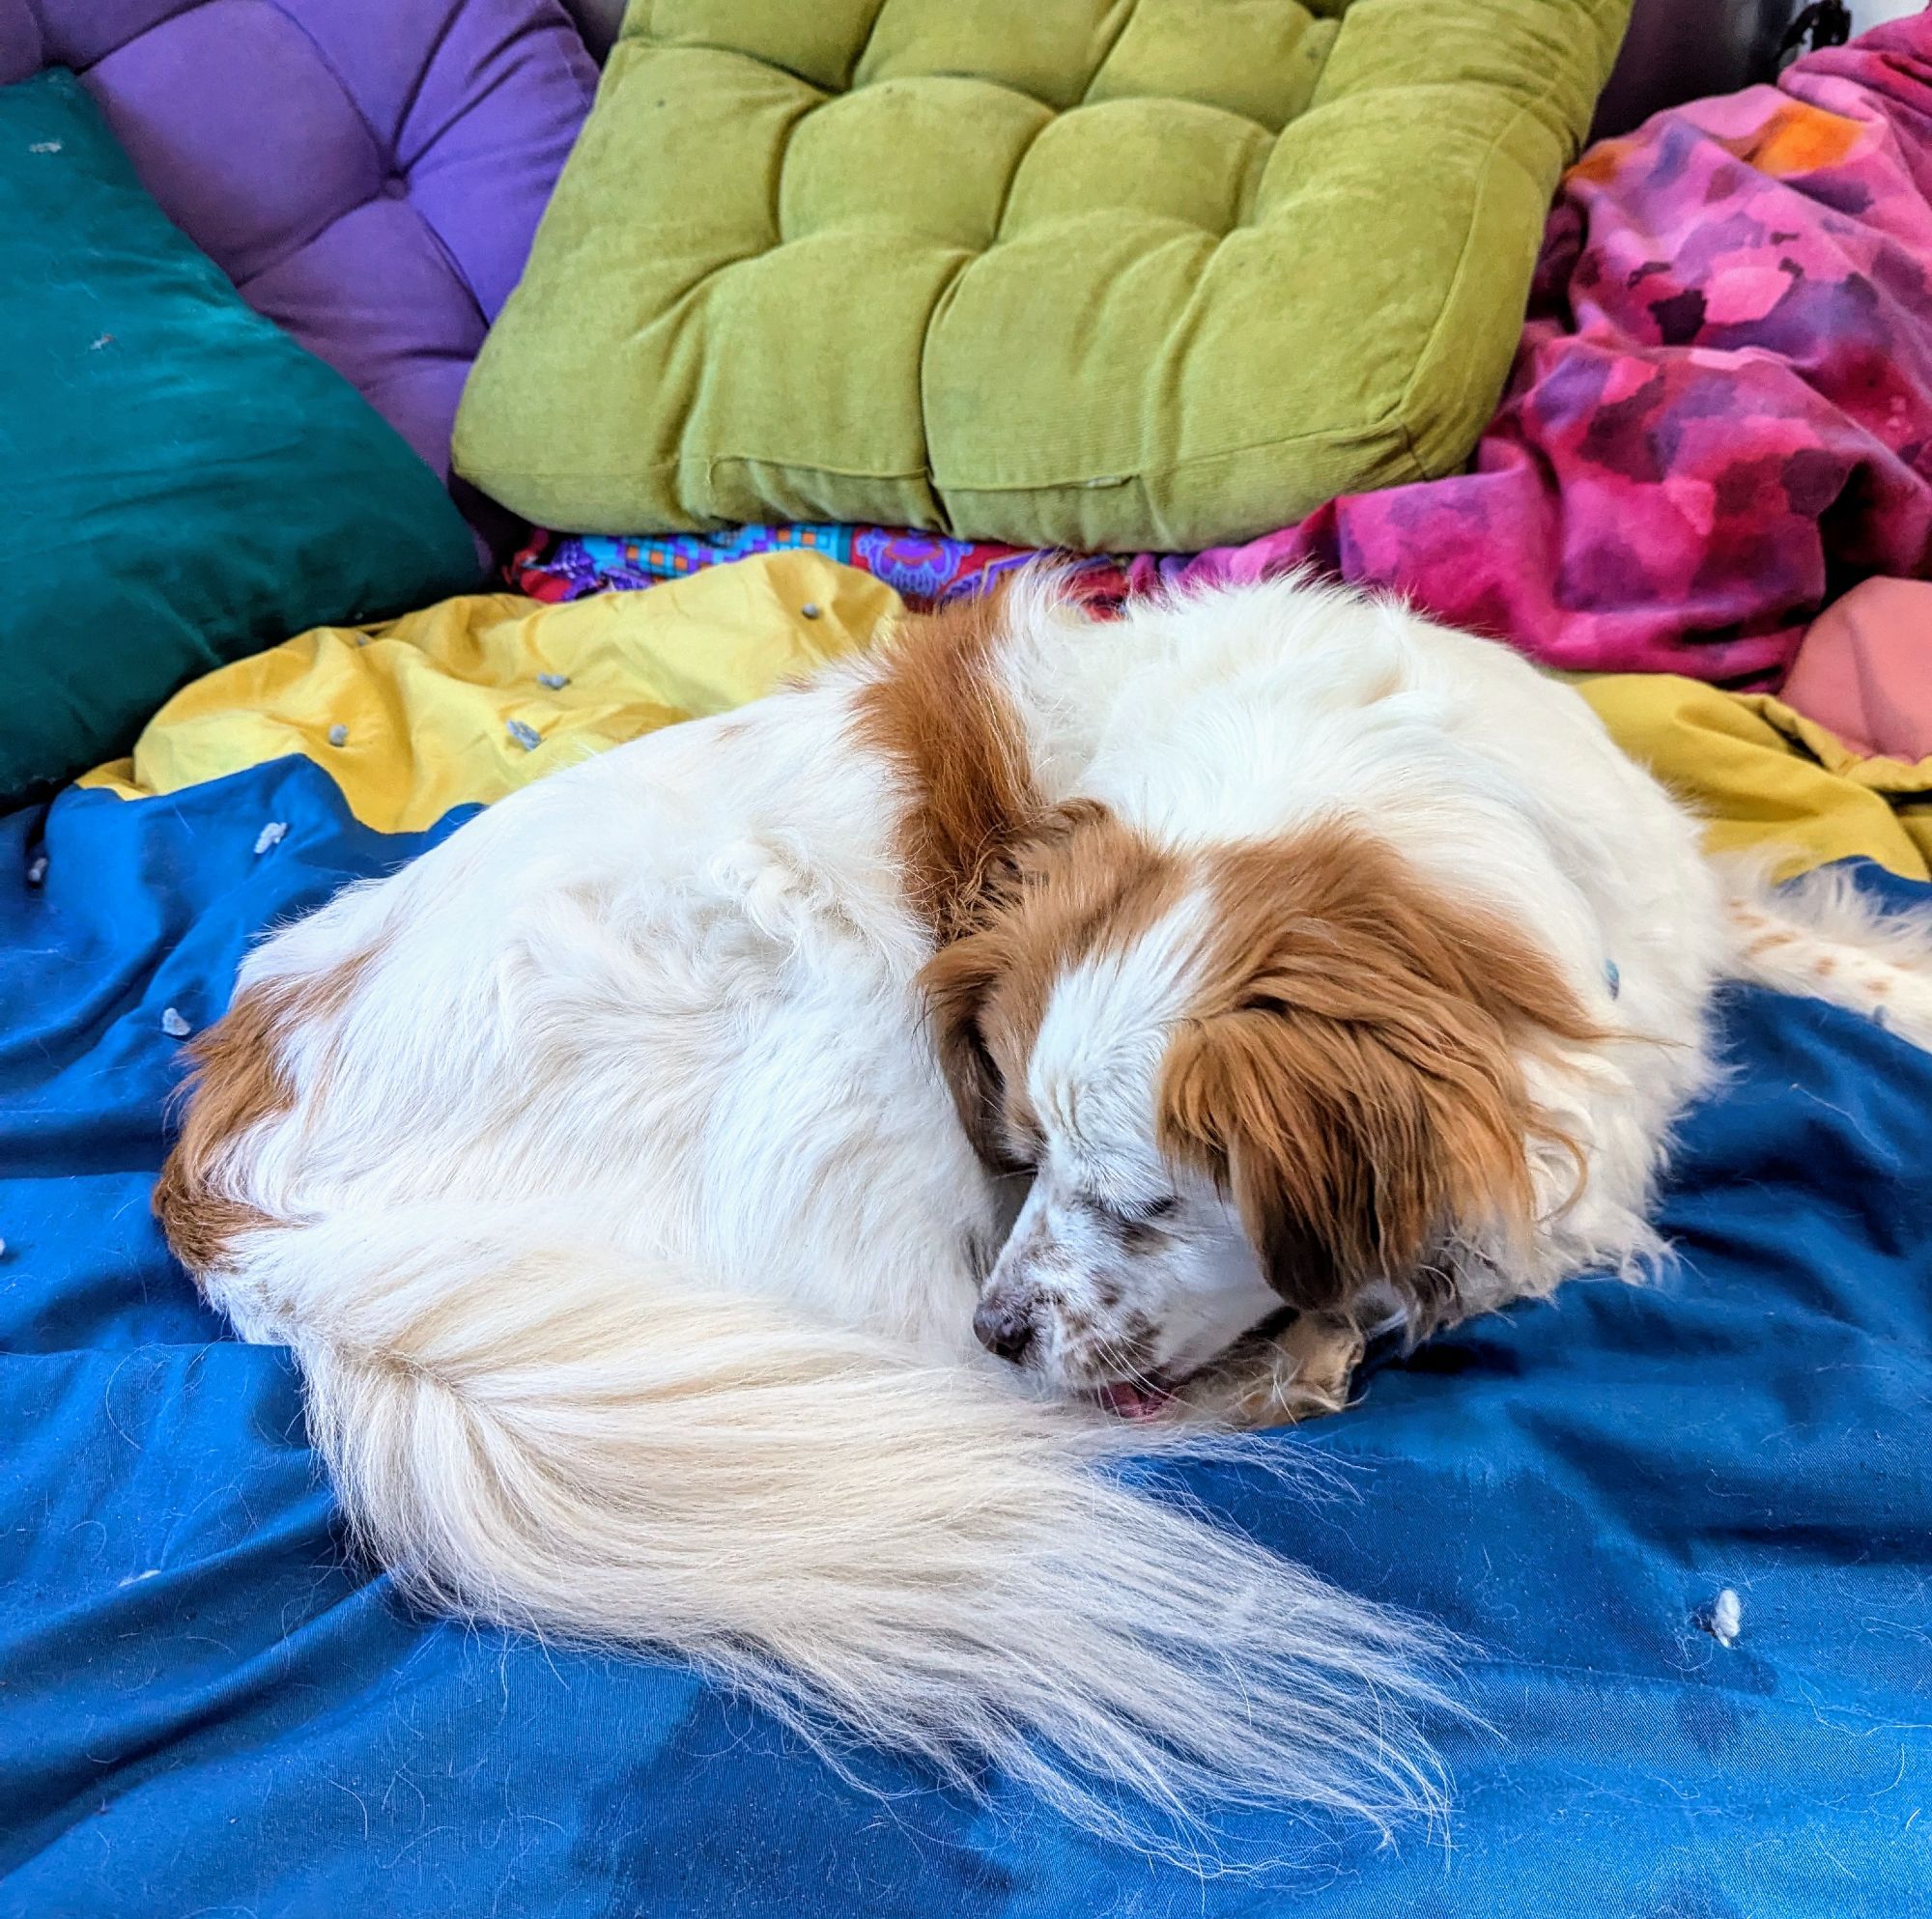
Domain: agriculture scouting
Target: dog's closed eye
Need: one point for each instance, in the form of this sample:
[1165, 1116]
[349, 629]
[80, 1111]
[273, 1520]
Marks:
[1138, 1221]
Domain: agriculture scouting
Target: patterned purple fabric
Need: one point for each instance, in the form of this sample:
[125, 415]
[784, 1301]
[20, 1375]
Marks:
[921, 567]
[368, 172]
[1721, 414]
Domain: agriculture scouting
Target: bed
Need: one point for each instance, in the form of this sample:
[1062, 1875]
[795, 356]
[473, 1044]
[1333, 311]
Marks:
[1687, 1528]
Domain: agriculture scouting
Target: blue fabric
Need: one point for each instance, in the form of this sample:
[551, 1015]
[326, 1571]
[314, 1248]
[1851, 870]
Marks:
[204, 1709]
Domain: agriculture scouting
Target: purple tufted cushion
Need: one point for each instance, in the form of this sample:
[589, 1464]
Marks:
[367, 171]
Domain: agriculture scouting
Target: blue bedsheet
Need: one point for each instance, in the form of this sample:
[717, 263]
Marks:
[205, 1710]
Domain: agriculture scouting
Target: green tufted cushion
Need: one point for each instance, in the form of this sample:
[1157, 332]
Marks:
[1099, 273]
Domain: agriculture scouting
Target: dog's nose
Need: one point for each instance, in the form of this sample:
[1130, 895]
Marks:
[1005, 1330]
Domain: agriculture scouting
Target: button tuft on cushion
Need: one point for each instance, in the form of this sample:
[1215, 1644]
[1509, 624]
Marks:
[1160, 160]
[889, 156]
[1260, 58]
[1047, 49]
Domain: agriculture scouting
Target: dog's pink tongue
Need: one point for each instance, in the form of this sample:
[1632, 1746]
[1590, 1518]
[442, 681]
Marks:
[1132, 1402]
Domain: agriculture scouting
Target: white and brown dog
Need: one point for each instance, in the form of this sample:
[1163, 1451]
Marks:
[602, 1167]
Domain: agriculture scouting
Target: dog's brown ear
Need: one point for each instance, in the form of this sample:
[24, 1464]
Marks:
[1349, 1160]
[1352, 1072]
[958, 982]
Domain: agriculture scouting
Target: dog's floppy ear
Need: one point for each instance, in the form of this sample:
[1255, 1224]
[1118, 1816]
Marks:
[1351, 1073]
[958, 982]
[1349, 1160]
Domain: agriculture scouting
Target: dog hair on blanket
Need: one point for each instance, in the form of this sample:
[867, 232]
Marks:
[638, 1176]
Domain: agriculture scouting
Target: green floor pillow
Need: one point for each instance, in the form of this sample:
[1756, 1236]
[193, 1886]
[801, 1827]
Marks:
[1096, 273]
[180, 482]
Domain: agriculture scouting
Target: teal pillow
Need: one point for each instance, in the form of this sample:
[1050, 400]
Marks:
[180, 482]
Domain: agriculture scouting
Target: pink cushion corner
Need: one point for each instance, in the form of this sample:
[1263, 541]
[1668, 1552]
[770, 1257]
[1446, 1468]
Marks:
[1864, 670]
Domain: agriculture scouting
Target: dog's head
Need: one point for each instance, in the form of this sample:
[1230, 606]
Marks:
[1243, 1080]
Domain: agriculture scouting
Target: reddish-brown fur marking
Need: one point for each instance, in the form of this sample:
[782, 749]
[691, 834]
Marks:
[1077, 883]
[936, 713]
[236, 1084]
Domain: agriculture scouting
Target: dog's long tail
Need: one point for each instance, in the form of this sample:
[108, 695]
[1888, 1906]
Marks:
[602, 1449]
[1823, 938]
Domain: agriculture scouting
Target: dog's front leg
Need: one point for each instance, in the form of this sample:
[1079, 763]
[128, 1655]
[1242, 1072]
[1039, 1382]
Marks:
[1299, 1373]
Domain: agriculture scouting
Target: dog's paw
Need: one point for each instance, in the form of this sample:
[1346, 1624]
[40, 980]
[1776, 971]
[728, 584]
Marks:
[1300, 1373]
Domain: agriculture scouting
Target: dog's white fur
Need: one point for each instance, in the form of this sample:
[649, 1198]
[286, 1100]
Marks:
[617, 1213]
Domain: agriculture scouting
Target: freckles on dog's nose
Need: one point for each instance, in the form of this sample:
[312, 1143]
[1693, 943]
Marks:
[1005, 1330]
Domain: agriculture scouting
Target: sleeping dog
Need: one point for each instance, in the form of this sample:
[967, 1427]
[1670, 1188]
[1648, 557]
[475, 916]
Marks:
[633, 1174]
